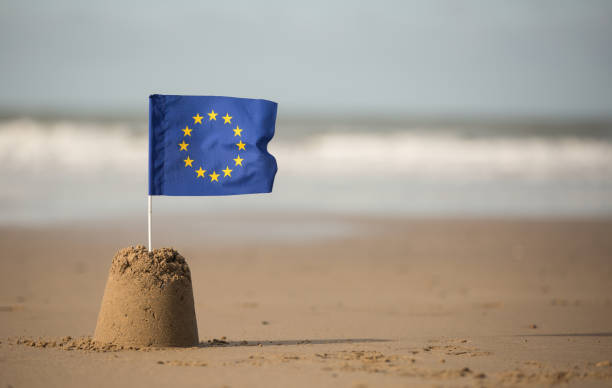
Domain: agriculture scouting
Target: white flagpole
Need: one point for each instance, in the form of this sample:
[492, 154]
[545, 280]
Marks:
[150, 214]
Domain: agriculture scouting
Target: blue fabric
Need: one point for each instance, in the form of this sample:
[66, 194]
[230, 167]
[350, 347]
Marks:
[215, 145]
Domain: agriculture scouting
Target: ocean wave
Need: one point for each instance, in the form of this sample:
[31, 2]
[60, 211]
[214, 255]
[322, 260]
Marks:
[70, 147]
[421, 154]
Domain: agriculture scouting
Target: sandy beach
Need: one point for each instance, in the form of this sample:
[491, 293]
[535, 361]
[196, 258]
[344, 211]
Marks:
[352, 195]
[366, 302]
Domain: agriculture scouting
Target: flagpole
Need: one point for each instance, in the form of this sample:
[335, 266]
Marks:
[150, 215]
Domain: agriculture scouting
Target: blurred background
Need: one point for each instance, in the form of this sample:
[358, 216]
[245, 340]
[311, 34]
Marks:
[390, 108]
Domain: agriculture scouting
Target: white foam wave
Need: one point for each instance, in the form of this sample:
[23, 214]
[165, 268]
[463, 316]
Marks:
[421, 154]
[72, 147]
[83, 148]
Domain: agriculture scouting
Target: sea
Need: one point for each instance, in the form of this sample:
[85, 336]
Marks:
[55, 170]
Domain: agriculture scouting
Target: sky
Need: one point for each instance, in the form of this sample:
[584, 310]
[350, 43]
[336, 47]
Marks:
[470, 58]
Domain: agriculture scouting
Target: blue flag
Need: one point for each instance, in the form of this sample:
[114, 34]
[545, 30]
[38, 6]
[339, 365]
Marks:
[208, 145]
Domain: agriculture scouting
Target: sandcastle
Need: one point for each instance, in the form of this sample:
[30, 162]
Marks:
[148, 300]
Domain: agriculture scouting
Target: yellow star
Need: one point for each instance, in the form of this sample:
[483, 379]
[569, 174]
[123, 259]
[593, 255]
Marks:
[237, 131]
[227, 172]
[214, 176]
[227, 118]
[200, 172]
[212, 115]
[183, 146]
[198, 119]
[238, 160]
[240, 145]
[188, 162]
[187, 131]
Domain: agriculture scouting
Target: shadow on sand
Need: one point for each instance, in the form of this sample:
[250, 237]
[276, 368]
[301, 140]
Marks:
[568, 335]
[222, 342]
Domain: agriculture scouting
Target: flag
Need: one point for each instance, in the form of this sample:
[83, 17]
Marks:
[210, 145]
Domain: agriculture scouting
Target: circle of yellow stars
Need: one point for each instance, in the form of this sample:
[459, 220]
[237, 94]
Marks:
[200, 172]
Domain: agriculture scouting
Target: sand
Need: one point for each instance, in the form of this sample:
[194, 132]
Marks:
[392, 303]
[148, 300]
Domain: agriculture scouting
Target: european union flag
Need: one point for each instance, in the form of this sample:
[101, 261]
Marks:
[209, 145]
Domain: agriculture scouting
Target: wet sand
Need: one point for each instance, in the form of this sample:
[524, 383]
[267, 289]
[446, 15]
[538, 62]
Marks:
[378, 302]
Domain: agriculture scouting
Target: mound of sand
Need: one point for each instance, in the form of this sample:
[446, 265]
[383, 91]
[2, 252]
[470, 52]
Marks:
[148, 300]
